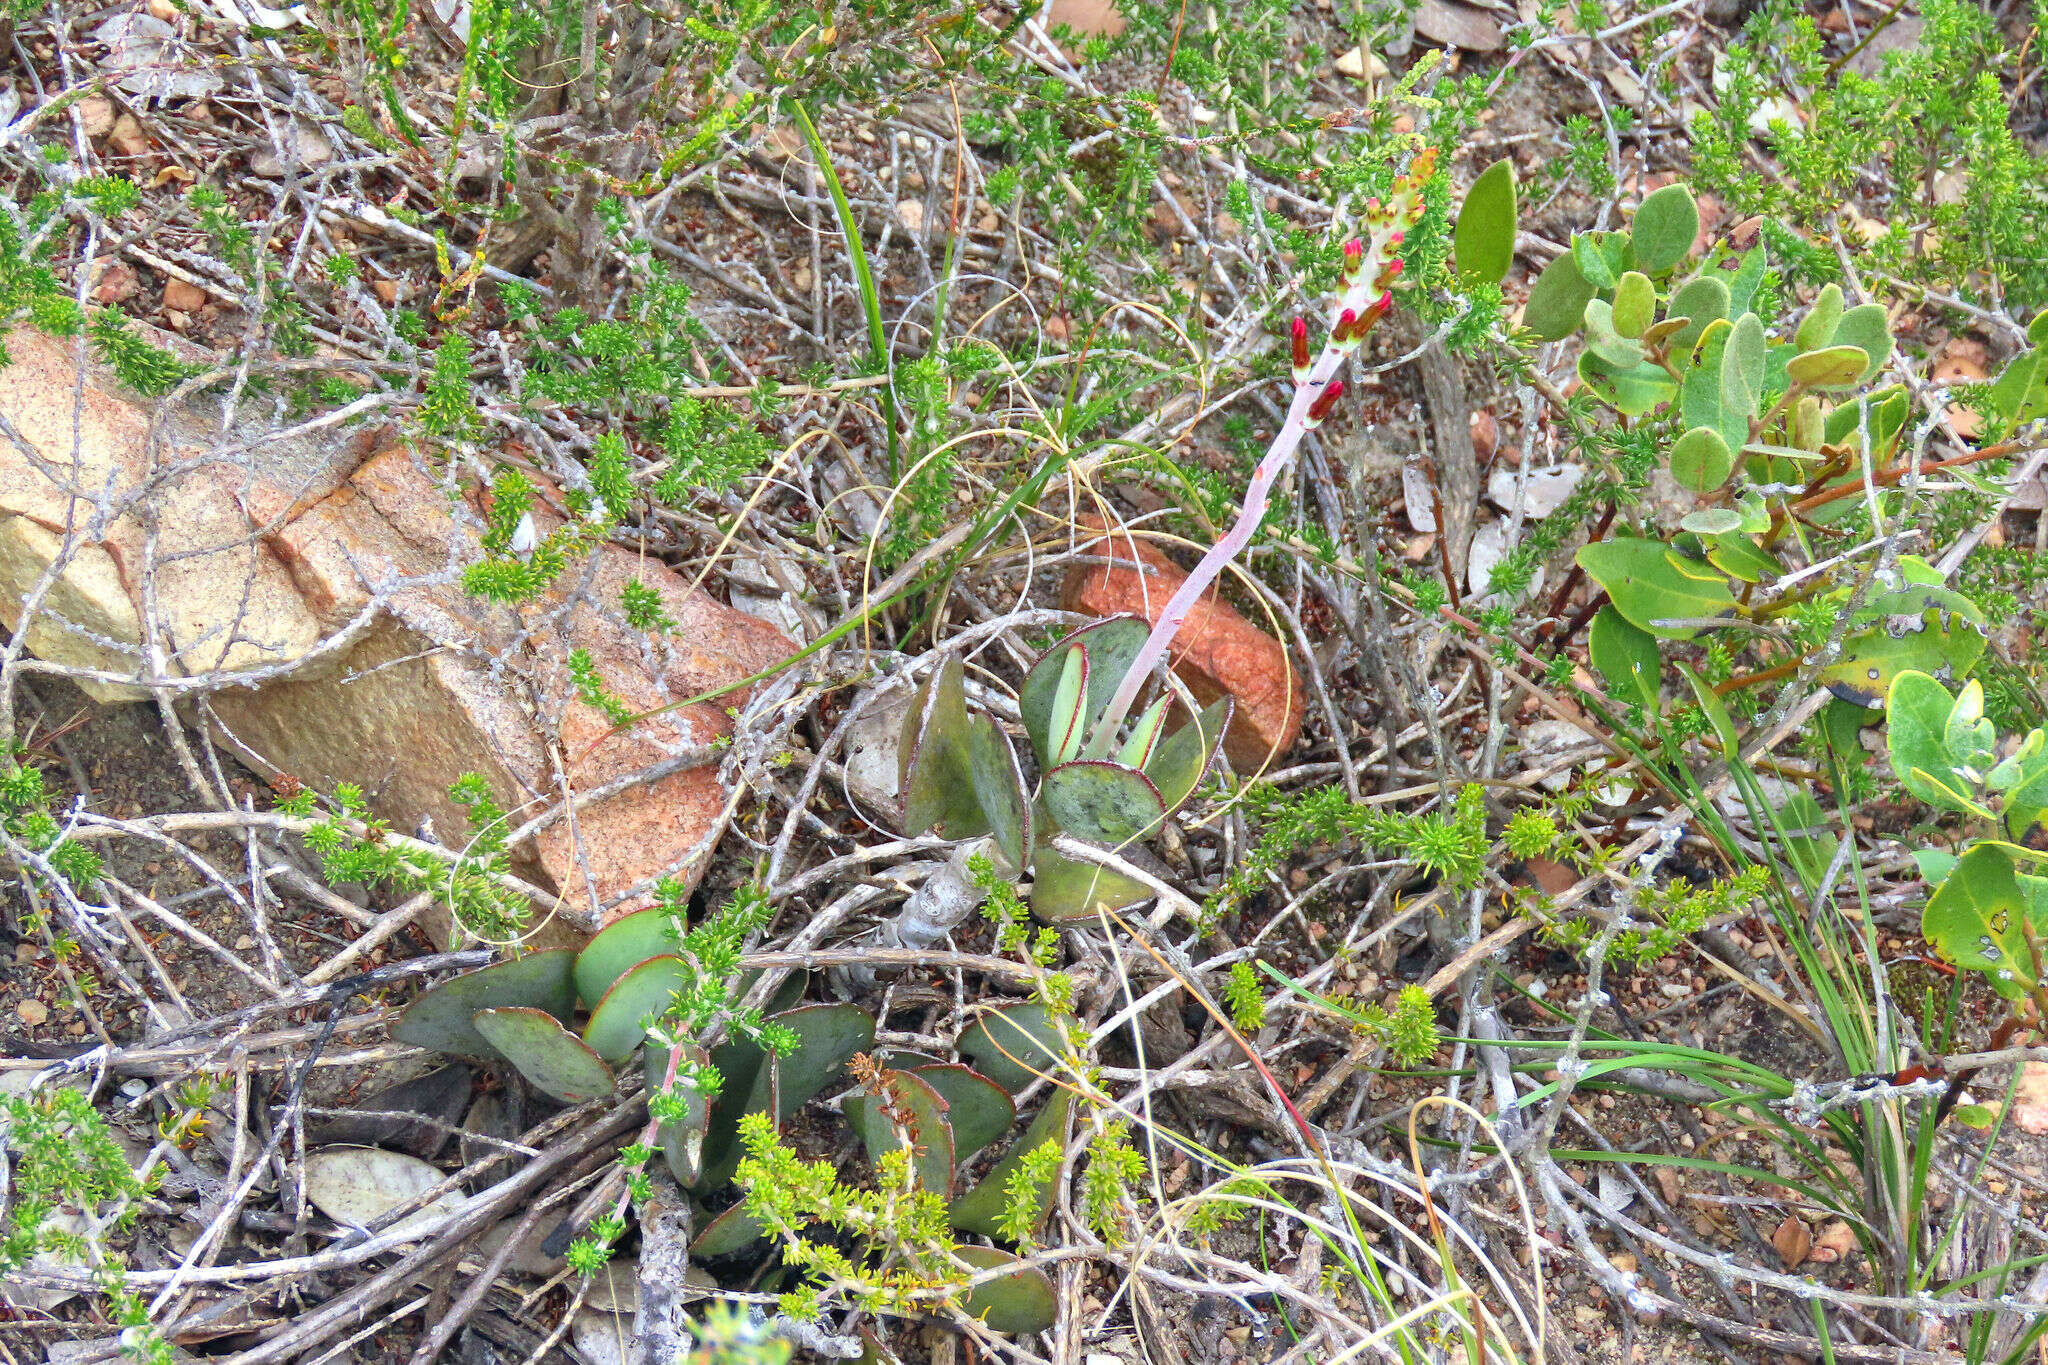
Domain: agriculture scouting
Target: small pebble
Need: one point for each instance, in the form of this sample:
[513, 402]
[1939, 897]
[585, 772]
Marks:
[34, 1013]
[135, 1087]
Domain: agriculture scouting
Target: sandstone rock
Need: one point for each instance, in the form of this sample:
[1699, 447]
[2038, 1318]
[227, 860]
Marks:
[186, 298]
[332, 573]
[1216, 650]
[1089, 18]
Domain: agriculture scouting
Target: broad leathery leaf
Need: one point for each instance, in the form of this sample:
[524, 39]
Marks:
[2037, 330]
[1111, 644]
[1103, 802]
[617, 1025]
[1646, 587]
[1817, 329]
[1635, 305]
[1484, 240]
[1593, 263]
[938, 779]
[1742, 284]
[1868, 327]
[355, 1186]
[1836, 367]
[1665, 228]
[2020, 393]
[682, 1140]
[980, 1208]
[1626, 656]
[1606, 342]
[1970, 739]
[907, 1114]
[620, 946]
[827, 1035]
[1881, 415]
[1557, 301]
[1713, 521]
[1701, 460]
[1978, 917]
[979, 1110]
[1019, 1301]
[1013, 1045]
[1738, 556]
[1701, 301]
[999, 789]
[1064, 888]
[1916, 718]
[554, 1061]
[1924, 628]
[1742, 374]
[443, 1018]
[1184, 756]
[1634, 390]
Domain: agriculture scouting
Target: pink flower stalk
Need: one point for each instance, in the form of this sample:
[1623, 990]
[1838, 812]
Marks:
[1370, 268]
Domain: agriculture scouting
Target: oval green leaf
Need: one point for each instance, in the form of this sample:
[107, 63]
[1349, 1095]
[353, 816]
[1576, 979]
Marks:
[1647, 587]
[979, 1110]
[1626, 656]
[443, 1018]
[1064, 888]
[1835, 367]
[1020, 1301]
[617, 1025]
[1665, 228]
[1635, 305]
[1103, 802]
[1701, 460]
[908, 1114]
[619, 947]
[554, 1061]
[980, 1209]
[1111, 644]
[1014, 1044]
[1484, 240]
[1557, 301]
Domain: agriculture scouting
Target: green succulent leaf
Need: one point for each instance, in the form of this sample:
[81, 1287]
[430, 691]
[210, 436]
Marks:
[1647, 584]
[1177, 768]
[999, 789]
[979, 1110]
[1022, 1300]
[1665, 228]
[617, 1024]
[554, 1061]
[1979, 915]
[1015, 1044]
[827, 1036]
[619, 946]
[1145, 735]
[443, 1019]
[1069, 718]
[936, 761]
[730, 1232]
[682, 1140]
[907, 1114]
[1111, 644]
[1701, 460]
[1557, 301]
[980, 1210]
[1064, 888]
[1103, 802]
[1484, 240]
[1626, 656]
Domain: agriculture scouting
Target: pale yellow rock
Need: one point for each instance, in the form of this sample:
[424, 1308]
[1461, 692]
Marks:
[86, 619]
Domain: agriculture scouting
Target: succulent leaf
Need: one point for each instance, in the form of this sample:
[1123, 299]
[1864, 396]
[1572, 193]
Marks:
[1137, 750]
[1015, 1044]
[827, 1036]
[908, 1113]
[980, 1210]
[444, 1017]
[682, 1140]
[1069, 701]
[1020, 1301]
[1103, 802]
[617, 1024]
[1177, 769]
[1064, 888]
[999, 789]
[937, 768]
[554, 1061]
[979, 1110]
[1111, 644]
[620, 946]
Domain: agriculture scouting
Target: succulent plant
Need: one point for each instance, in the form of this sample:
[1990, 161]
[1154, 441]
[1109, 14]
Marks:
[960, 775]
[520, 1013]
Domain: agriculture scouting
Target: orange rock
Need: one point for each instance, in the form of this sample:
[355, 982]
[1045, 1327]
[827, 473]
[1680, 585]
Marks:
[1216, 650]
[186, 298]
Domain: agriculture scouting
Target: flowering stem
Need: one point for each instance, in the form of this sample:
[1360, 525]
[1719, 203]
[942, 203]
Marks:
[1370, 268]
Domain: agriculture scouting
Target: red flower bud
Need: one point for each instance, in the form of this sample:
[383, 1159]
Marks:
[1301, 362]
[1347, 321]
[1325, 402]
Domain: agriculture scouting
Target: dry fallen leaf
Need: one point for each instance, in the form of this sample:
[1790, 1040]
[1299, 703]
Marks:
[1793, 1241]
[1835, 1241]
